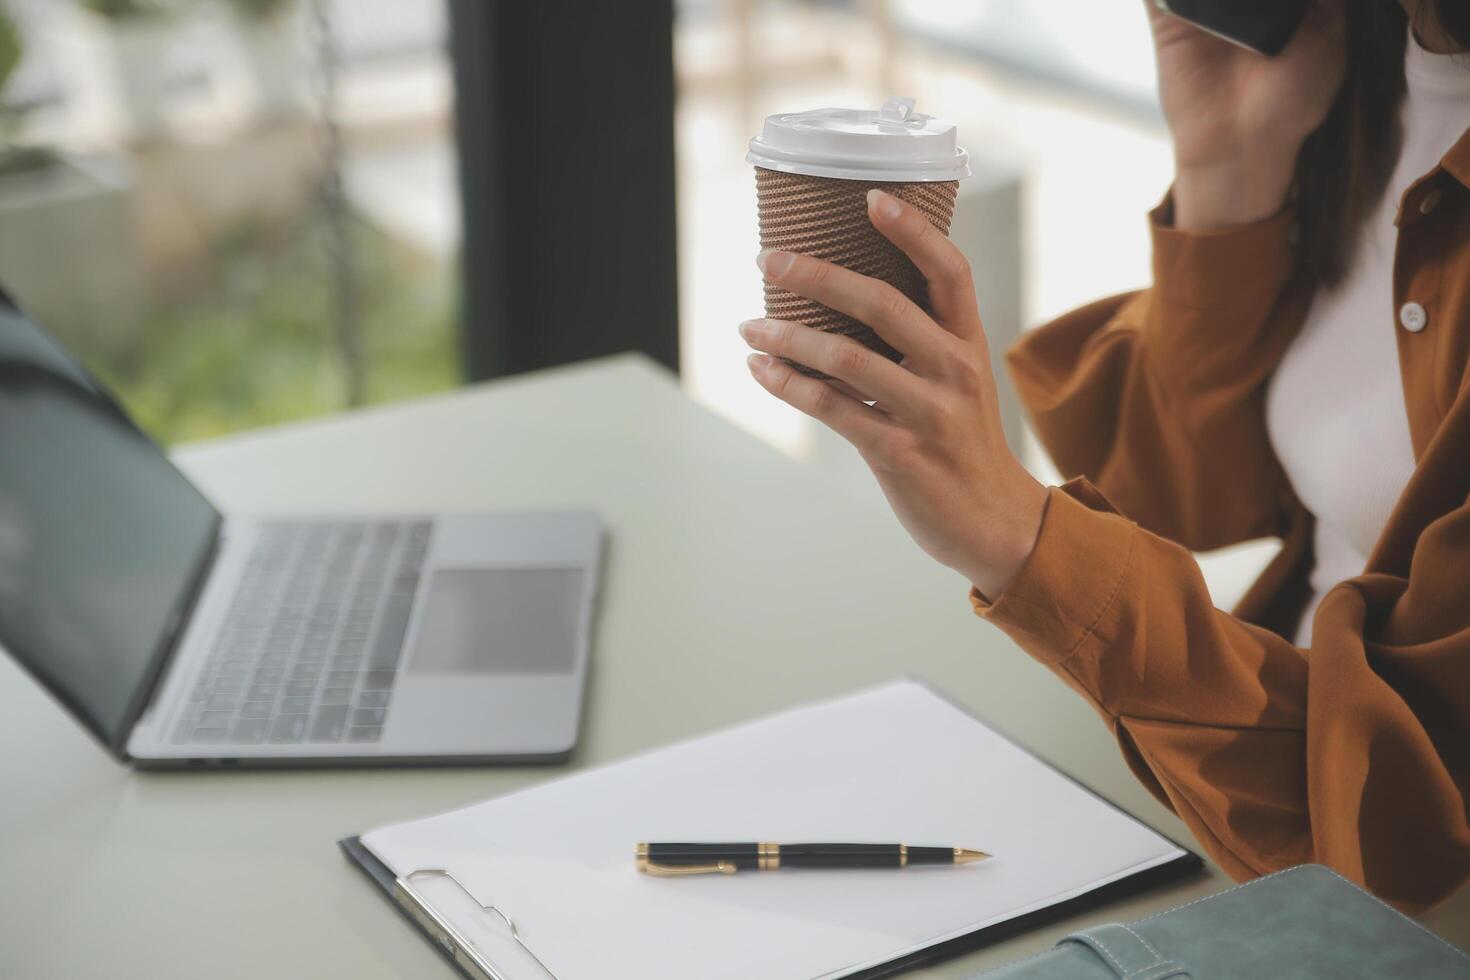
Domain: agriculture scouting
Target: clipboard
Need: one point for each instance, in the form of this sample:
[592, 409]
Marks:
[405, 891]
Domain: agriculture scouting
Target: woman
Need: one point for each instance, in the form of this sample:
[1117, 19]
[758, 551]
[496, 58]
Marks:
[1299, 369]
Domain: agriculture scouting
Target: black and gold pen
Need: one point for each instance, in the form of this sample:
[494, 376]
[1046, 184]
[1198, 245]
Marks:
[695, 859]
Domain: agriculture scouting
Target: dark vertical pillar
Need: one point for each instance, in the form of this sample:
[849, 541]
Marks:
[565, 122]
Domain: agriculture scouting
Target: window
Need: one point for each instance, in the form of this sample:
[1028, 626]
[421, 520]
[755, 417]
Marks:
[236, 212]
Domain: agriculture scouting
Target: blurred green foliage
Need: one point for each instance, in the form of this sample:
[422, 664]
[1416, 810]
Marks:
[261, 9]
[10, 48]
[259, 349]
[126, 9]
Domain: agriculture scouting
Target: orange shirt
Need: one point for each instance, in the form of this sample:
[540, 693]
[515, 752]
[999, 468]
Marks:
[1354, 752]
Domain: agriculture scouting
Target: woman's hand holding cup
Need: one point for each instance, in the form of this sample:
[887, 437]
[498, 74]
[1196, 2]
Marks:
[932, 434]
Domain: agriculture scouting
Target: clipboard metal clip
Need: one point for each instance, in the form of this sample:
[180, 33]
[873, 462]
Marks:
[455, 944]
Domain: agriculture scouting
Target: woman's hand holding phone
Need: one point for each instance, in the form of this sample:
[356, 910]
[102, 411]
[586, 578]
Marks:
[933, 434]
[1238, 118]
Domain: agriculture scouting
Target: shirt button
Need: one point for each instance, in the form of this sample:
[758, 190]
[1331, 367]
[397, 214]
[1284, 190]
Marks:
[1429, 201]
[1413, 317]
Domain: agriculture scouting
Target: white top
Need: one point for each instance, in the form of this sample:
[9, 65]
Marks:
[1335, 406]
[893, 143]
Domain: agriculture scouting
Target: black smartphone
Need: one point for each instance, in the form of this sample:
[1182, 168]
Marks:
[1265, 26]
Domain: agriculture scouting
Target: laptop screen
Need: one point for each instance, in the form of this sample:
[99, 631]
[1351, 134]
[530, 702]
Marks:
[101, 539]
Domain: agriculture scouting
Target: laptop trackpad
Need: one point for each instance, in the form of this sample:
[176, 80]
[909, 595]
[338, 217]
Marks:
[499, 620]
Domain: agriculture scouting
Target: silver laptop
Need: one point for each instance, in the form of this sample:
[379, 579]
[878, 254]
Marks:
[180, 636]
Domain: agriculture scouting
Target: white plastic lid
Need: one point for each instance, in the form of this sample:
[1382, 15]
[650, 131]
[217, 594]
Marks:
[892, 143]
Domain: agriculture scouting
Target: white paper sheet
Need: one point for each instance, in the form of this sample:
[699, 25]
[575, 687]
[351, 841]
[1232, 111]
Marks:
[897, 763]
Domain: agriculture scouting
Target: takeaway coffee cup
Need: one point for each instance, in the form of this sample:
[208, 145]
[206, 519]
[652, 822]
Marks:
[813, 171]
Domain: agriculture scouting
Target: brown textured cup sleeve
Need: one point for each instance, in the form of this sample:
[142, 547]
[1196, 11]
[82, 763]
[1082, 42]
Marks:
[827, 218]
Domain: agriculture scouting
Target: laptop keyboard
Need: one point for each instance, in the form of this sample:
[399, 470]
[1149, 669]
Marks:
[308, 650]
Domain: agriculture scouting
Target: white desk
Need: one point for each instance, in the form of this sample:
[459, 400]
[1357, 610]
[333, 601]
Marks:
[738, 583]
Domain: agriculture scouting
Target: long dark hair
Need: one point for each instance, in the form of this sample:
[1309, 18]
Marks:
[1344, 167]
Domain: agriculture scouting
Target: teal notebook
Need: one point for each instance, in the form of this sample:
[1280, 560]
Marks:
[1304, 923]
